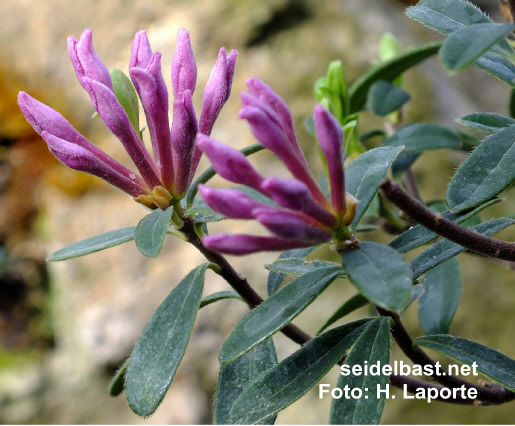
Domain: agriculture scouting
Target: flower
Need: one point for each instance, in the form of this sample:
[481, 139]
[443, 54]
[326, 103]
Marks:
[165, 177]
[302, 215]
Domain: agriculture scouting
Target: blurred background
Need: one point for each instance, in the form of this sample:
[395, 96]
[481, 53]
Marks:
[66, 327]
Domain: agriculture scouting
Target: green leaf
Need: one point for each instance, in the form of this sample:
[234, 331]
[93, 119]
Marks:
[498, 66]
[445, 249]
[442, 292]
[486, 172]
[162, 344]
[151, 231]
[210, 172]
[355, 302]
[468, 142]
[276, 312]
[298, 266]
[403, 162]
[493, 364]
[293, 377]
[467, 44]
[511, 105]
[235, 377]
[275, 279]
[202, 213]
[117, 384]
[417, 137]
[127, 96]
[388, 71]
[363, 175]
[220, 295]
[372, 347]
[486, 121]
[419, 235]
[384, 98]
[388, 47]
[94, 244]
[380, 273]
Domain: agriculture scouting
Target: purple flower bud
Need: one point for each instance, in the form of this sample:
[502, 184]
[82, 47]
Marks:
[330, 138]
[231, 203]
[64, 137]
[229, 163]
[184, 67]
[115, 118]
[183, 134]
[86, 62]
[146, 75]
[291, 225]
[294, 194]
[79, 158]
[241, 244]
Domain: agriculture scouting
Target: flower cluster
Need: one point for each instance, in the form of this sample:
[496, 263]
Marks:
[303, 216]
[167, 176]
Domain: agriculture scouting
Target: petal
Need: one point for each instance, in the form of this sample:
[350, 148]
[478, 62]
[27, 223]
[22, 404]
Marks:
[229, 163]
[241, 244]
[184, 67]
[231, 203]
[141, 53]
[330, 138]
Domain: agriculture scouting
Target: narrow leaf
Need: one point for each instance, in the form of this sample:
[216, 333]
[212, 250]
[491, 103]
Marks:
[419, 235]
[384, 98]
[94, 244]
[151, 232]
[491, 363]
[275, 279]
[372, 347]
[389, 71]
[117, 384]
[160, 348]
[498, 66]
[467, 44]
[298, 266]
[380, 273]
[419, 137]
[363, 175]
[485, 173]
[127, 96]
[445, 249]
[276, 312]
[293, 377]
[355, 302]
[221, 295]
[403, 162]
[442, 292]
[235, 377]
[486, 121]
[202, 213]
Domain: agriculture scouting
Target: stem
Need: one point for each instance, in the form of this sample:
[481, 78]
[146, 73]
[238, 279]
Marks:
[494, 395]
[411, 184]
[435, 222]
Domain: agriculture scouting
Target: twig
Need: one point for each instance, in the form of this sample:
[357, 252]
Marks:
[435, 222]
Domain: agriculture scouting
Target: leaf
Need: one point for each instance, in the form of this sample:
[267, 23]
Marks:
[293, 377]
[235, 377]
[419, 235]
[372, 347]
[442, 292]
[380, 273]
[202, 213]
[403, 162]
[275, 279]
[276, 312]
[485, 173]
[299, 266]
[467, 44]
[486, 121]
[127, 96]
[162, 344]
[355, 302]
[210, 172]
[94, 244]
[493, 364]
[498, 66]
[416, 291]
[117, 383]
[220, 295]
[445, 249]
[151, 232]
[388, 71]
[363, 175]
[417, 137]
[384, 98]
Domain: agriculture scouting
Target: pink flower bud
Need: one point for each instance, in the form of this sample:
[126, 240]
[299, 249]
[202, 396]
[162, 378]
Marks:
[184, 67]
[241, 244]
[231, 203]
